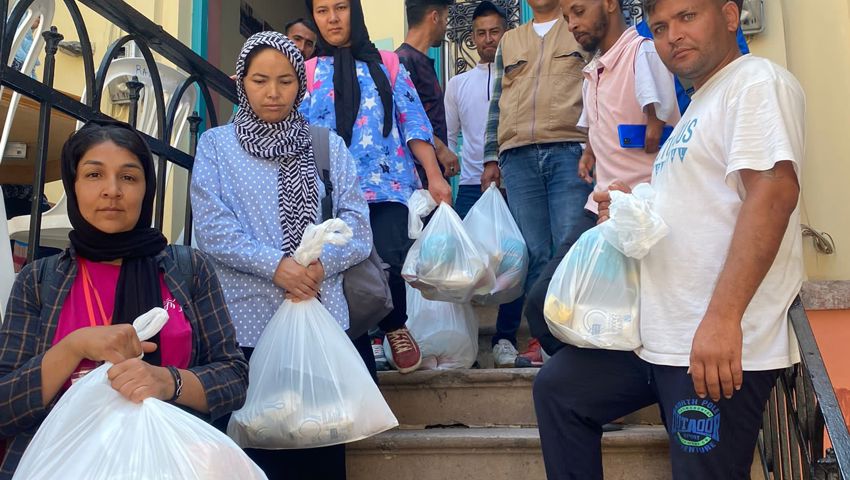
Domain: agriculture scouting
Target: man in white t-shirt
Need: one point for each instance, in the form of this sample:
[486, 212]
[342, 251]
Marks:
[467, 102]
[715, 292]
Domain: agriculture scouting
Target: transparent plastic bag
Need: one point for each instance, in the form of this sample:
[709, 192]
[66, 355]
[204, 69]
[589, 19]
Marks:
[155, 440]
[447, 333]
[634, 227]
[492, 227]
[308, 386]
[444, 263]
[593, 300]
[419, 205]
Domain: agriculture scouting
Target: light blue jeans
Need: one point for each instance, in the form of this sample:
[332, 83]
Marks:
[546, 197]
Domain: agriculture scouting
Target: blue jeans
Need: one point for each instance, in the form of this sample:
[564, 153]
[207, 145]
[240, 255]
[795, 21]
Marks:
[546, 197]
[510, 314]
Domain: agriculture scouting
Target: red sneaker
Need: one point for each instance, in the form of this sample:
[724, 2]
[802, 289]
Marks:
[533, 357]
[404, 350]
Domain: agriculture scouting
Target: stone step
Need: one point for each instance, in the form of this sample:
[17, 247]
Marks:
[634, 453]
[475, 397]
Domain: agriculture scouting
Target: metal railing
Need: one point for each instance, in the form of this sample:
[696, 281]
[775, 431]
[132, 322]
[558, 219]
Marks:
[803, 402]
[148, 37]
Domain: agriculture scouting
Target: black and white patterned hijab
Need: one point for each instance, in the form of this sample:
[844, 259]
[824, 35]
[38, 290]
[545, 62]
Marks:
[287, 142]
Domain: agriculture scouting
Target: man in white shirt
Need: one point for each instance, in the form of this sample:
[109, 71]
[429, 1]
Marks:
[715, 292]
[467, 101]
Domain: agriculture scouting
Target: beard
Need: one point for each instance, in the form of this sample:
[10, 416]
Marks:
[593, 38]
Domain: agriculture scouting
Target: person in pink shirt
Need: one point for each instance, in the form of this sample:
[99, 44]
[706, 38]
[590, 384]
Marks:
[625, 83]
[71, 312]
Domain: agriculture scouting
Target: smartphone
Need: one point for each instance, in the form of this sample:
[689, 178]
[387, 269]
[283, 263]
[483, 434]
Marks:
[633, 136]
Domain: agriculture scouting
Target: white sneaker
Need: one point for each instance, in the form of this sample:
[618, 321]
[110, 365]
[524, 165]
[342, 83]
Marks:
[504, 354]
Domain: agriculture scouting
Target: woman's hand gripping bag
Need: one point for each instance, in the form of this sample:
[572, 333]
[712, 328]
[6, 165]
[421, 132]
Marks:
[491, 226]
[593, 300]
[447, 333]
[444, 263]
[94, 433]
[308, 386]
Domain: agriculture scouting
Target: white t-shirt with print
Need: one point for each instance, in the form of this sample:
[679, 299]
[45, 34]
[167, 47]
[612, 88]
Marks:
[750, 115]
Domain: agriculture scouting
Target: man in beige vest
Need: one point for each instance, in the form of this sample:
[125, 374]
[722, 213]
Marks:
[532, 142]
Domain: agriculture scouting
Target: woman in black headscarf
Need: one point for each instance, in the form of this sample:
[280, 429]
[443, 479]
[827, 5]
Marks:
[72, 311]
[366, 97]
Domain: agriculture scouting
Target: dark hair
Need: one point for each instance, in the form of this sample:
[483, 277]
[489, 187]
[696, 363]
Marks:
[302, 21]
[649, 5]
[96, 132]
[417, 9]
[253, 53]
[487, 7]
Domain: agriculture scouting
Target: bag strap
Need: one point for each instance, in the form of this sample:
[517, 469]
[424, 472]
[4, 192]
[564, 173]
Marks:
[322, 154]
[182, 256]
[310, 67]
[389, 59]
[46, 267]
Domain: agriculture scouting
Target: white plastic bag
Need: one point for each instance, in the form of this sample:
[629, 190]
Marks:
[95, 433]
[447, 333]
[308, 386]
[444, 263]
[593, 300]
[419, 205]
[492, 227]
[634, 227]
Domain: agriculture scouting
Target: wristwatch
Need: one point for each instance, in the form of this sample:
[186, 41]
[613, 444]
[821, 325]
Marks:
[178, 382]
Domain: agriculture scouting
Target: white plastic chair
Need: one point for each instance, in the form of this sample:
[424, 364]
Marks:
[55, 225]
[44, 10]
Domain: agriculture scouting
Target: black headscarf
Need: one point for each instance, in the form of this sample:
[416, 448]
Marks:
[138, 287]
[346, 86]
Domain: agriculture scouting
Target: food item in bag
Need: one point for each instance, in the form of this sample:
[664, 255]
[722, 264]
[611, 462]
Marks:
[327, 425]
[265, 422]
[513, 255]
[437, 249]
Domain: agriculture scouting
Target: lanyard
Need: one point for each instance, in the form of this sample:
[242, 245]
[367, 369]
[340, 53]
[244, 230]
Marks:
[88, 288]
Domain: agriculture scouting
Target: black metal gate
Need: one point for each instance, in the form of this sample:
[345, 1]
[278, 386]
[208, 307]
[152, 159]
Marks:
[148, 37]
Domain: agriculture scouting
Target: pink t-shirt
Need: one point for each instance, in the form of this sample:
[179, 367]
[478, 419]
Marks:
[175, 338]
[611, 98]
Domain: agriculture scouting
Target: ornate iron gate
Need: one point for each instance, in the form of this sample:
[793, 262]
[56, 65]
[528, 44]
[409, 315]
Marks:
[148, 37]
[460, 51]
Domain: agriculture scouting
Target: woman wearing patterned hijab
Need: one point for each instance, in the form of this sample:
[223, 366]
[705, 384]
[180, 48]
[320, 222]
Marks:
[255, 188]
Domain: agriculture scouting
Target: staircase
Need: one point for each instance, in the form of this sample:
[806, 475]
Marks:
[480, 424]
